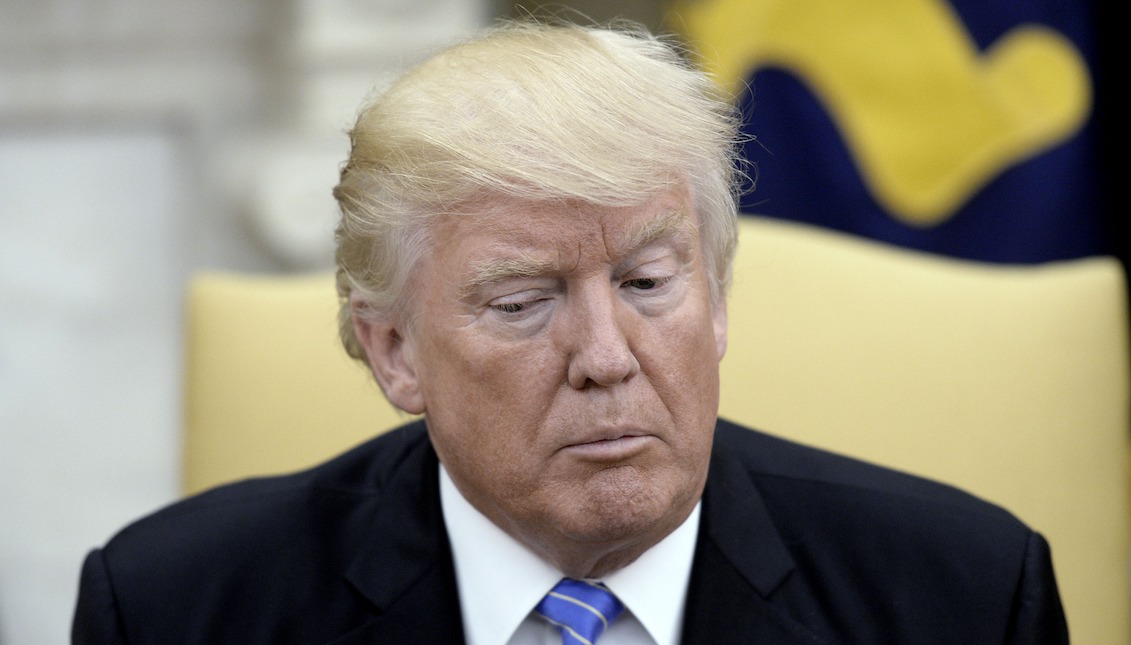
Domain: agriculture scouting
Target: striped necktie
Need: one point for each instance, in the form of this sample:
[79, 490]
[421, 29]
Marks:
[580, 610]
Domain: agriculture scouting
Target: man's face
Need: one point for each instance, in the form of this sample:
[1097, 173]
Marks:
[566, 358]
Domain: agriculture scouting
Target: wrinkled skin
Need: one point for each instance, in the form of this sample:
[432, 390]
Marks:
[566, 358]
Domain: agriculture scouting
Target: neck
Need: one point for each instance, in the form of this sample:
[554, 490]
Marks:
[596, 557]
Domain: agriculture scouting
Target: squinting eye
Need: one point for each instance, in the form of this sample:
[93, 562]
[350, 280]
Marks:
[644, 284]
[510, 307]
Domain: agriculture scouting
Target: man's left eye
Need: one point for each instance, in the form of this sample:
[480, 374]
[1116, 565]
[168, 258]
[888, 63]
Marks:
[510, 307]
[644, 284]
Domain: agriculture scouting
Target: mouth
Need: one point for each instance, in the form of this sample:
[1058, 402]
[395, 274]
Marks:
[614, 447]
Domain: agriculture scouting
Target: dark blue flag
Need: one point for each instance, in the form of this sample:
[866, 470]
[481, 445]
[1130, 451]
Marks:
[970, 128]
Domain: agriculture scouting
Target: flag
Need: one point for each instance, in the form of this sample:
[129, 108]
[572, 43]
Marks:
[968, 128]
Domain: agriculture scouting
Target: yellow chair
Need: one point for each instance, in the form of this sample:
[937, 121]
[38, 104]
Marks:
[1011, 382]
[268, 386]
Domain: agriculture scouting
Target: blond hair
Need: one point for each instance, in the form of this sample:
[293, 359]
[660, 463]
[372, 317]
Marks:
[536, 112]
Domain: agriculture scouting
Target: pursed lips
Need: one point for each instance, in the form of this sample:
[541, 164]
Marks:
[610, 445]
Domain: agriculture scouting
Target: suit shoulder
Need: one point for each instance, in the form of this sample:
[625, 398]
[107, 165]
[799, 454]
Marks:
[872, 554]
[782, 465]
[243, 561]
[252, 510]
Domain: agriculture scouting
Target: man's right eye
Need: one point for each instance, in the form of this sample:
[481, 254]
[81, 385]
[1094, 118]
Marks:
[510, 307]
[518, 305]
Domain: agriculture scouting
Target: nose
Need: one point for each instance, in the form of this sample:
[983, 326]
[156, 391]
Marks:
[600, 328]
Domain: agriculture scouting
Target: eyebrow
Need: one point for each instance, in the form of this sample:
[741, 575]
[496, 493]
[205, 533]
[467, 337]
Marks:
[499, 269]
[671, 223]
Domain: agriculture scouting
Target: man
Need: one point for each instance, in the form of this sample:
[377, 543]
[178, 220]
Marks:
[534, 252]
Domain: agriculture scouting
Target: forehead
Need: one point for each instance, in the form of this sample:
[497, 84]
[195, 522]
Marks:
[506, 226]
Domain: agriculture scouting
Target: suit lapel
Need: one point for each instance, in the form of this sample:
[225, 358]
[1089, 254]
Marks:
[406, 570]
[428, 612]
[740, 560]
[409, 577]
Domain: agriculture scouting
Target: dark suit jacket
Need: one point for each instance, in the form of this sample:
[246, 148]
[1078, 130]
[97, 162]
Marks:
[795, 546]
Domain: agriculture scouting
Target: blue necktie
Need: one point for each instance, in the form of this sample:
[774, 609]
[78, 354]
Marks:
[580, 610]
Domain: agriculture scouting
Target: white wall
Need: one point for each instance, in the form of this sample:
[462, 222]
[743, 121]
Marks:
[89, 266]
[141, 140]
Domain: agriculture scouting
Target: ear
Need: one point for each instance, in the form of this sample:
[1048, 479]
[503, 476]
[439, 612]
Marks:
[390, 357]
[719, 321]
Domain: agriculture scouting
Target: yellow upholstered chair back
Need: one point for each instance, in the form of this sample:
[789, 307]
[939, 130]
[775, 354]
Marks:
[1011, 382]
[269, 388]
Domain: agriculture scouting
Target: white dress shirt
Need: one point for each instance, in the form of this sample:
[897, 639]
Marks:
[500, 581]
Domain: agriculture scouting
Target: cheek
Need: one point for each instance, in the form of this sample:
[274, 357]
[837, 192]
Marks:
[684, 368]
[687, 340]
[483, 396]
[482, 370]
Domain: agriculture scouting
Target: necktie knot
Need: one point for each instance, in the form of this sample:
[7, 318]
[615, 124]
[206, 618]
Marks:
[582, 611]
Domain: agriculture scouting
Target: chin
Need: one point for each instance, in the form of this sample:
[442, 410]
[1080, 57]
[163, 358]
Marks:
[623, 506]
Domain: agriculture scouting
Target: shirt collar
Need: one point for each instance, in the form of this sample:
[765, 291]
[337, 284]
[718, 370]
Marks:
[500, 580]
[654, 586]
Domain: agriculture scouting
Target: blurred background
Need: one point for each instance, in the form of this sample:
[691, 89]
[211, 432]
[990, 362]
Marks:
[144, 140]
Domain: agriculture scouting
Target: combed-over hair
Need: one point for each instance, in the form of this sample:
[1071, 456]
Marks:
[536, 112]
